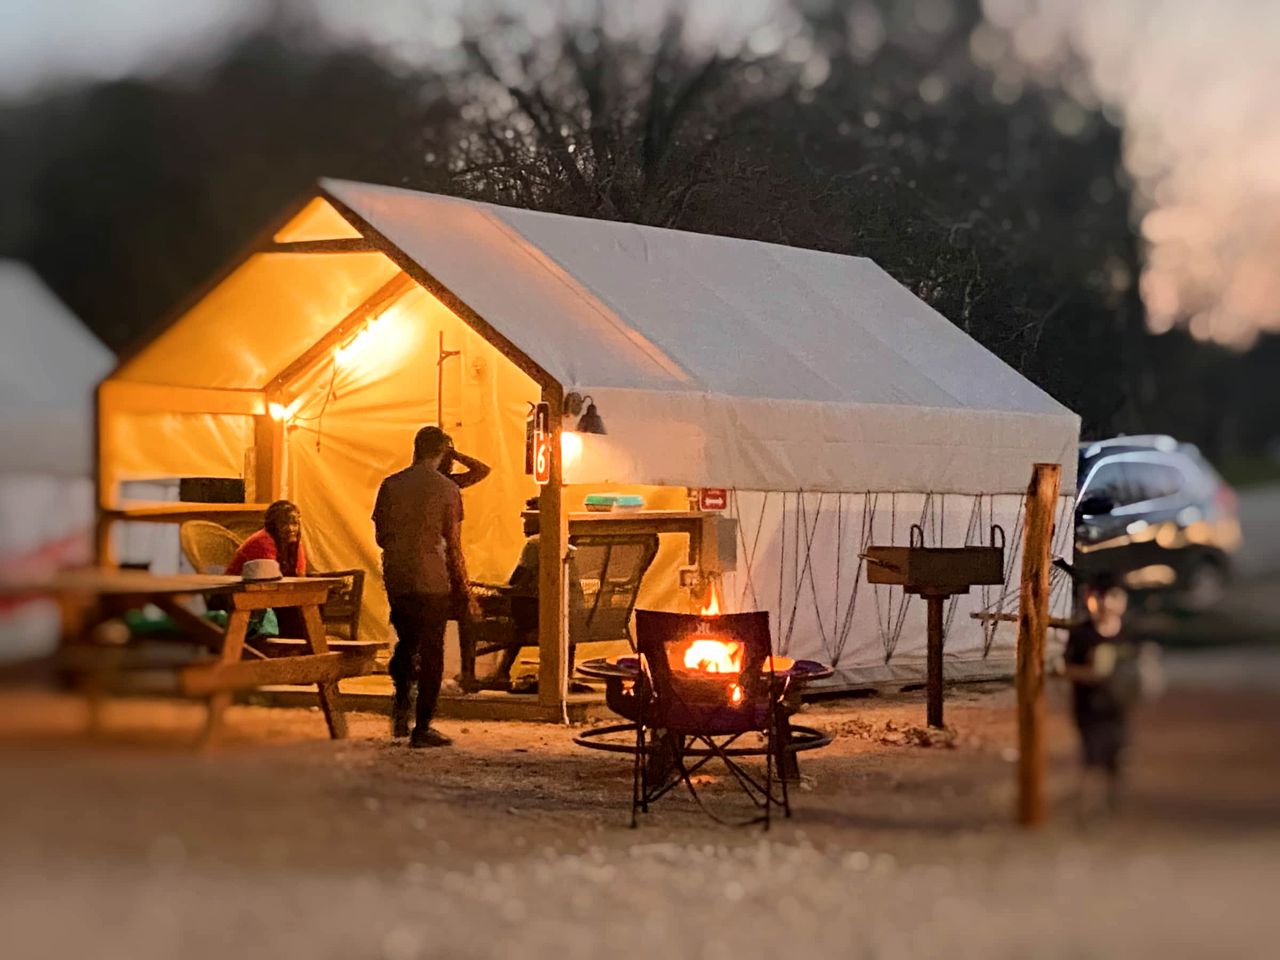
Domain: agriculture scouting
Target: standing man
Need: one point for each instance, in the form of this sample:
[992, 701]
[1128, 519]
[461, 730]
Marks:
[417, 523]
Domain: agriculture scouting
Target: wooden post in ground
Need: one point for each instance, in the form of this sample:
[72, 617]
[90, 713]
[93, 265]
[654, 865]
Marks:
[553, 540]
[1033, 623]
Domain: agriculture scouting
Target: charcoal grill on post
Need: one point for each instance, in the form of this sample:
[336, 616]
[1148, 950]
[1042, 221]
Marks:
[936, 574]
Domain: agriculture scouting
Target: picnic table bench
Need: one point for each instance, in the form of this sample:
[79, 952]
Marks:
[226, 662]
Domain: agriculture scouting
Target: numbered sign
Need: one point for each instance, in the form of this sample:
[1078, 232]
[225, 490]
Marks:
[541, 444]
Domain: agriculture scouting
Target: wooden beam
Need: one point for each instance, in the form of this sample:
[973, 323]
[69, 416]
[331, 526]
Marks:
[553, 541]
[380, 300]
[322, 668]
[1033, 622]
[126, 396]
[343, 245]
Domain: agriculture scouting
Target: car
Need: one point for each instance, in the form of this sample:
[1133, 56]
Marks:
[1155, 514]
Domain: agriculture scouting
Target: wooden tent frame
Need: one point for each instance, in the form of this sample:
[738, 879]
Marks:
[119, 396]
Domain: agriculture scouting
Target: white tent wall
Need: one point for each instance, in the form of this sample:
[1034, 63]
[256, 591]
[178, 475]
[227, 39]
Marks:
[48, 369]
[798, 558]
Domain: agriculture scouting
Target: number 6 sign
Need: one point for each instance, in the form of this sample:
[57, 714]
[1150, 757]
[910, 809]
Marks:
[541, 443]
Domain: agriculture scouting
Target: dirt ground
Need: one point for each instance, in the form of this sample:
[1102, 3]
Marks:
[281, 843]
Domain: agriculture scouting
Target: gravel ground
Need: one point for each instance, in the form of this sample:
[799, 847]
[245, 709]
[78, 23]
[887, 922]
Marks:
[514, 843]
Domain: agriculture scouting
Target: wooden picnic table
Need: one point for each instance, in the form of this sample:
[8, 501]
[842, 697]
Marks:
[88, 597]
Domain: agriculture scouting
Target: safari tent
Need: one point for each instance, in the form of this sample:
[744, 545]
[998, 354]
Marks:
[834, 407]
[49, 367]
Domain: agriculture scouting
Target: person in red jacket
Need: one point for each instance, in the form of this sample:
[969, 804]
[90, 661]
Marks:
[280, 539]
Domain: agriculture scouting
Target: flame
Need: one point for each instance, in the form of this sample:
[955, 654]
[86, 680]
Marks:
[736, 694]
[711, 608]
[713, 656]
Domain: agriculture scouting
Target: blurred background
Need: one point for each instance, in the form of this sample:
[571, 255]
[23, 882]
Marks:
[1091, 188]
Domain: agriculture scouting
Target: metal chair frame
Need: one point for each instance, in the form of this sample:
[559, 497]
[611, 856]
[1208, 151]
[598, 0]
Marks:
[657, 696]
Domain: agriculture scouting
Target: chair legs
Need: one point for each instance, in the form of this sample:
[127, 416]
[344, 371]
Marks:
[647, 786]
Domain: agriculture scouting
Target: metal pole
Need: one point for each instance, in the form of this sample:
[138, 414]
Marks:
[440, 384]
[934, 712]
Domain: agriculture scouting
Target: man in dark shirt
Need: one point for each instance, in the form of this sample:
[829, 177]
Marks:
[417, 522]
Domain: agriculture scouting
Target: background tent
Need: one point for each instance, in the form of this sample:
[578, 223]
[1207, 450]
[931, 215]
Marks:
[49, 366]
[836, 406]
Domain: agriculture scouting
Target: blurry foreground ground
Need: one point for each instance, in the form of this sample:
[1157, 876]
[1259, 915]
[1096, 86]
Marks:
[515, 843]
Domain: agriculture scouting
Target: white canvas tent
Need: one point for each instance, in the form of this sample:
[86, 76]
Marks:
[835, 405]
[49, 367]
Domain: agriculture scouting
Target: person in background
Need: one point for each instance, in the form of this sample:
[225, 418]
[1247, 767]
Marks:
[522, 587]
[417, 522]
[473, 470]
[280, 539]
[1101, 661]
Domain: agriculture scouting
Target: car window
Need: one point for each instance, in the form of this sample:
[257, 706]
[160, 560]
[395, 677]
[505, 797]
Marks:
[1111, 481]
[1152, 481]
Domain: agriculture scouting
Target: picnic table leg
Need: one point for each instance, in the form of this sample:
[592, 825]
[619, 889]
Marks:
[329, 702]
[232, 648]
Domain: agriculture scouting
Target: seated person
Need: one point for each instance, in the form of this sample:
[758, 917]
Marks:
[524, 596]
[280, 539]
[523, 584]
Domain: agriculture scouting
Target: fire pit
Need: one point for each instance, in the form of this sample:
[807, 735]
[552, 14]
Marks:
[699, 684]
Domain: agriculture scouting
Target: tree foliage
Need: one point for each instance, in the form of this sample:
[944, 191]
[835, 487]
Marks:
[878, 135]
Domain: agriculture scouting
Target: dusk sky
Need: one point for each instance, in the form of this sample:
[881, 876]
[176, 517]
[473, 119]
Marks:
[1194, 82]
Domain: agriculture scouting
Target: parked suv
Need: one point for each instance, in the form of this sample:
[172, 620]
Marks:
[1153, 512]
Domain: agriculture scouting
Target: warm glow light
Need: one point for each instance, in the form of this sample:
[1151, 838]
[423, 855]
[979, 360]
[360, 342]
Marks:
[282, 414]
[570, 447]
[714, 656]
[358, 344]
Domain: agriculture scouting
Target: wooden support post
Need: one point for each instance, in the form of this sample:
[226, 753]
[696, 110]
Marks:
[267, 479]
[1033, 622]
[935, 639]
[553, 541]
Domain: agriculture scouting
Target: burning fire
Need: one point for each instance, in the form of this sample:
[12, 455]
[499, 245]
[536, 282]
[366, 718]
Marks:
[713, 656]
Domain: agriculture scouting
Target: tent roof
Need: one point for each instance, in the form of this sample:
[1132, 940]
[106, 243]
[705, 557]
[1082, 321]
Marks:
[49, 367]
[605, 304]
[735, 333]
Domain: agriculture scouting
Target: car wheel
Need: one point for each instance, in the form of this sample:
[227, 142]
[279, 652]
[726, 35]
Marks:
[1204, 588]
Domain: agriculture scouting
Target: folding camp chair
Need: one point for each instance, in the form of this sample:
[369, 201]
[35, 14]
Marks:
[689, 717]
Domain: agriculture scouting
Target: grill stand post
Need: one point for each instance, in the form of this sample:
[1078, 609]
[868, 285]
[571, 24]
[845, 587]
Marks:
[935, 641]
